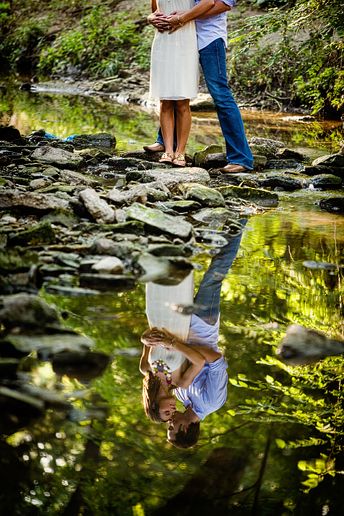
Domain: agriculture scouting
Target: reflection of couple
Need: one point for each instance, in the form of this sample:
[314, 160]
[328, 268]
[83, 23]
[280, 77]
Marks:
[180, 353]
[190, 32]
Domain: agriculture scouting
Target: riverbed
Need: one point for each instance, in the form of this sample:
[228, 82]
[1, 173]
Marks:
[274, 447]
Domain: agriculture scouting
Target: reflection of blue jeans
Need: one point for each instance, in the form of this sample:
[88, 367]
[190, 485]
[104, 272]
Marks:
[208, 295]
[213, 63]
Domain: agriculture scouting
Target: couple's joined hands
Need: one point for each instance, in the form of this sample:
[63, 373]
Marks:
[164, 22]
[158, 337]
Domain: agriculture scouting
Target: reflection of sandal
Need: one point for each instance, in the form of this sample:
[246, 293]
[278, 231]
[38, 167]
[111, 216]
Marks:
[179, 160]
[167, 157]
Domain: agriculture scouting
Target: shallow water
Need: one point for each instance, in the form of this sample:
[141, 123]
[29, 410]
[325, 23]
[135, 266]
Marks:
[275, 446]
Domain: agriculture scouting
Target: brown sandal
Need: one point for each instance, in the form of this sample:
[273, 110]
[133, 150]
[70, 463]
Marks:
[167, 157]
[179, 160]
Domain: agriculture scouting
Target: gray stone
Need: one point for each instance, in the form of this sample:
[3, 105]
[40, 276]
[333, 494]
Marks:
[48, 345]
[282, 164]
[290, 154]
[107, 282]
[155, 218]
[97, 207]
[333, 205]
[265, 146]
[30, 201]
[215, 217]
[142, 193]
[108, 265]
[255, 195]
[106, 246]
[101, 140]
[75, 178]
[35, 184]
[203, 194]
[200, 158]
[56, 156]
[171, 177]
[259, 161]
[283, 181]
[27, 310]
[38, 234]
[326, 182]
[331, 160]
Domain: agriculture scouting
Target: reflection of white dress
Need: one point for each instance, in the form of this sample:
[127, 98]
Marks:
[159, 299]
[174, 58]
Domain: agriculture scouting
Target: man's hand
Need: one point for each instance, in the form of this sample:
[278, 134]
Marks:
[175, 20]
[158, 337]
[159, 21]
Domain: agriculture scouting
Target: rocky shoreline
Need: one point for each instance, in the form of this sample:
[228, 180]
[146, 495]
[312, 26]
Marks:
[78, 220]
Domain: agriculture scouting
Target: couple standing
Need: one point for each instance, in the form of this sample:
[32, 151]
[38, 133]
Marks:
[190, 32]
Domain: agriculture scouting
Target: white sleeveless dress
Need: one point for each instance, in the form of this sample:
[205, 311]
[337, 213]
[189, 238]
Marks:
[174, 73]
[159, 299]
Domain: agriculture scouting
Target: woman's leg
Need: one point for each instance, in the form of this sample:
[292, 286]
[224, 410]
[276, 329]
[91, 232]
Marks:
[183, 124]
[167, 124]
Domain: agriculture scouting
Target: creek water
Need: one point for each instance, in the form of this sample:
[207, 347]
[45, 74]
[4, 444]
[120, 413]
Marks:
[275, 447]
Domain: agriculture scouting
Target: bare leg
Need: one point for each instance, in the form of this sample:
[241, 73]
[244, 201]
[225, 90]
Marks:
[167, 124]
[183, 124]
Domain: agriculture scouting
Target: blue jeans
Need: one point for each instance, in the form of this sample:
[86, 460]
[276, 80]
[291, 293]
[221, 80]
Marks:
[213, 63]
[209, 293]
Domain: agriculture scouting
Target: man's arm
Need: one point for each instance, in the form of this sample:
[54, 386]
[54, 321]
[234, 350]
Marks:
[177, 20]
[219, 8]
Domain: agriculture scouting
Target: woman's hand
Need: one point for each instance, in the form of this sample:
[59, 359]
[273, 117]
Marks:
[159, 21]
[158, 337]
[175, 20]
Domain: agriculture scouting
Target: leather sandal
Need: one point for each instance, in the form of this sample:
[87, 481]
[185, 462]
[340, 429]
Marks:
[167, 157]
[179, 160]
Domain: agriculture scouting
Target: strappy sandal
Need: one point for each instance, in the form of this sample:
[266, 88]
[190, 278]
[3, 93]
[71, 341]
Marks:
[179, 160]
[167, 157]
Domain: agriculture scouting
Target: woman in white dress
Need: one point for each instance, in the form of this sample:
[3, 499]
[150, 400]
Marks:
[175, 71]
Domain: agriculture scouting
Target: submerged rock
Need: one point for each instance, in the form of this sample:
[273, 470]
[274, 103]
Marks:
[175, 226]
[27, 310]
[333, 205]
[326, 181]
[302, 346]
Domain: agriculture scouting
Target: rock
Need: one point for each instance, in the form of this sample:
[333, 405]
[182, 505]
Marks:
[179, 206]
[155, 218]
[70, 291]
[169, 250]
[97, 207]
[163, 270]
[310, 170]
[47, 345]
[56, 156]
[331, 160]
[333, 205]
[27, 310]
[214, 217]
[311, 264]
[290, 154]
[259, 161]
[101, 140]
[107, 282]
[304, 346]
[284, 182]
[171, 177]
[200, 158]
[203, 102]
[211, 237]
[38, 234]
[33, 202]
[61, 218]
[35, 184]
[17, 260]
[123, 163]
[106, 246]
[140, 192]
[203, 194]
[265, 146]
[11, 134]
[84, 365]
[75, 178]
[255, 195]
[109, 265]
[326, 182]
[278, 164]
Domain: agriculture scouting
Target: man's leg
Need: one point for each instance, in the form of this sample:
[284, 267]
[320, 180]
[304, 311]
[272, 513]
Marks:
[213, 63]
[208, 295]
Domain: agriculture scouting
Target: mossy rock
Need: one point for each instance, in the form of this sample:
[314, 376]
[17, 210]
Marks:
[255, 195]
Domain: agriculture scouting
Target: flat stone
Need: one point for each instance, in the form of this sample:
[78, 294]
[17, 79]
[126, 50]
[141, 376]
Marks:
[30, 201]
[215, 217]
[256, 195]
[142, 192]
[109, 265]
[57, 156]
[107, 282]
[172, 177]
[203, 194]
[38, 234]
[155, 218]
[332, 160]
[98, 208]
[326, 182]
[28, 310]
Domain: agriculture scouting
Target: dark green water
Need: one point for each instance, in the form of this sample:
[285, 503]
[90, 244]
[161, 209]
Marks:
[275, 448]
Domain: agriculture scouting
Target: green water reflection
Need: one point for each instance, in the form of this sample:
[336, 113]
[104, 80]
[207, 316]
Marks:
[253, 453]
[64, 115]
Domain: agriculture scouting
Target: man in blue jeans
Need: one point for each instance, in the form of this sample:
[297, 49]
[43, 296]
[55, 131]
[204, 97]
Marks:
[212, 41]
